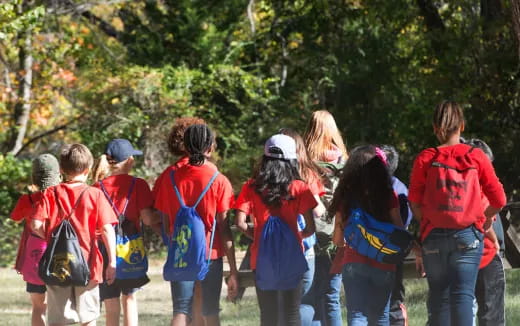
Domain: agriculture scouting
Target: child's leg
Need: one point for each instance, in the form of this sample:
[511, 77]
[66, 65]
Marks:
[490, 291]
[211, 287]
[130, 313]
[182, 297]
[197, 318]
[112, 311]
[109, 295]
[291, 300]
[268, 303]
[39, 306]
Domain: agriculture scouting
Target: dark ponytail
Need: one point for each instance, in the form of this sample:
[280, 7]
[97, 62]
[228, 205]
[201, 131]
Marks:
[198, 139]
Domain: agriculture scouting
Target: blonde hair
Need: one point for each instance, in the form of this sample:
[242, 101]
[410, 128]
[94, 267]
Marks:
[105, 167]
[74, 159]
[447, 120]
[322, 134]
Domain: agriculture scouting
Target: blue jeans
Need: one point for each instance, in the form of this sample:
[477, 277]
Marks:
[367, 291]
[307, 310]
[451, 260]
[325, 294]
[182, 292]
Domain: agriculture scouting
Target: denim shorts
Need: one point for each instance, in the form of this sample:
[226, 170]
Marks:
[182, 292]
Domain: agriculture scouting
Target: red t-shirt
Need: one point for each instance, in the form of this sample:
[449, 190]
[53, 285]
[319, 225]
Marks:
[250, 202]
[91, 214]
[166, 173]
[352, 256]
[491, 186]
[25, 207]
[190, 181]
[118, 186]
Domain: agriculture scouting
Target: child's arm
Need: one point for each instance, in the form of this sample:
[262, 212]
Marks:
[227, 242]
[37, 228]
[152, 218]
[490, 233]
[337, 236]
[310, 227]
[109, 239]
[320, 209]
[241, 223]
[395, 215]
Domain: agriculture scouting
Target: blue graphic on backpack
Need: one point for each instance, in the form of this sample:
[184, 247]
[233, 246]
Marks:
[280, 263]
[187, 247]
[308, 242]
[384, 242]
[131, 259]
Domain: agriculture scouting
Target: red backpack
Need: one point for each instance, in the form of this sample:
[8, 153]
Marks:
[452, 198]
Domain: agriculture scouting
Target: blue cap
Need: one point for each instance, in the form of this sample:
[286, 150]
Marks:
[121, 149]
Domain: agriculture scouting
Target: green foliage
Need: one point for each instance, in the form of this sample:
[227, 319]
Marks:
[14, 177]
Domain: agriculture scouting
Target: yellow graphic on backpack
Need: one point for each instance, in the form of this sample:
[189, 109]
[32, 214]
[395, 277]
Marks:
[375, 241]
[131, 251]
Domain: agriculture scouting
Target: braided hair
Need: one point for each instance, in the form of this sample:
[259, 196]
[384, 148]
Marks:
[198, 140]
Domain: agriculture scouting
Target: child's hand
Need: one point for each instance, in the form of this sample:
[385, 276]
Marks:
[110, 274]
[232, 286]
[419, 266]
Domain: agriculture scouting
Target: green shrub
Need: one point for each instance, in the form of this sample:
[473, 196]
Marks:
[14, 177]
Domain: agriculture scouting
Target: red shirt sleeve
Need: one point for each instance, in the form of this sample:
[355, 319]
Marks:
[317, 188]
[489, 182]
[23, 209]
[305, 197]
[42, 209]
[243, 202]
[418, 179]
[144, 194]
[105, 212]
[226, 195]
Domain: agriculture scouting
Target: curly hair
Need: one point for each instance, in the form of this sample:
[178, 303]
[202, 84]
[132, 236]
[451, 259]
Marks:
[176, 137]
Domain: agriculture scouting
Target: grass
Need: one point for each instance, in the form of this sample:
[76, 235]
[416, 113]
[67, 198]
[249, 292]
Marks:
[155, 302]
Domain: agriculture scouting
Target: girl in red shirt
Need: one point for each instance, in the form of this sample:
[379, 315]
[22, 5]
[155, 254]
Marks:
[45, 173]
[276, 190]
[452, 219]
[132, 197]
[366, 184]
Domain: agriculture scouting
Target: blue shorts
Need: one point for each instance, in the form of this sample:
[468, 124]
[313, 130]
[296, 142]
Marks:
[35, 288]
[182, 292]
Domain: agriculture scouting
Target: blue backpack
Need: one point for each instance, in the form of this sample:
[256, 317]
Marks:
[384, 242]
[308, 242]
[280, 263]
[131, 259]
[187, 247]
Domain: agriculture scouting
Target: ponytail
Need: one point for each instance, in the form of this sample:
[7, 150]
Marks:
[101, 168]
[198, 140]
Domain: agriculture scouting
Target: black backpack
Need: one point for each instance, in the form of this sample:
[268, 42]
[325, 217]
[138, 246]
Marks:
[62, 262]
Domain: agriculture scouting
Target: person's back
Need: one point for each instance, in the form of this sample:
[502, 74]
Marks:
[89, 214]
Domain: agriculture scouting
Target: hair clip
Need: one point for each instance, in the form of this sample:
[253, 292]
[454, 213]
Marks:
[381, 154]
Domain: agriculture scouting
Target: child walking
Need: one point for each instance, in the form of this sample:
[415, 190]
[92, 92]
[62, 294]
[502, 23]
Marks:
[276, 190]
[445, 196]
[310, 174]
[45, 173]
[130, 197]
[365, 184]
[190, 180]
[90, 214]
[326, 148]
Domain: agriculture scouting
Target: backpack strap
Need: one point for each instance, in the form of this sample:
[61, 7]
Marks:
[177, 193]
[206, 189]
[130, 190]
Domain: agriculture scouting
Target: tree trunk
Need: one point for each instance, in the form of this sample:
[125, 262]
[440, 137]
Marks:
[23, 106]
[515, 14]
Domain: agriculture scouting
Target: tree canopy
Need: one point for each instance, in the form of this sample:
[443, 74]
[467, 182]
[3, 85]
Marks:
[92, 70]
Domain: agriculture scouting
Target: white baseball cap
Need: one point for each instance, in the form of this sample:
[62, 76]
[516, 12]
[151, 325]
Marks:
[281, 147]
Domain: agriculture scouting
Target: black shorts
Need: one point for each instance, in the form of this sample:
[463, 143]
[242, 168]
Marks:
[35, 288]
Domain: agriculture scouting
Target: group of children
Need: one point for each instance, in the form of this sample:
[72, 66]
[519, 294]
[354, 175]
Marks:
[309, 186]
